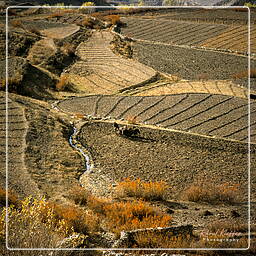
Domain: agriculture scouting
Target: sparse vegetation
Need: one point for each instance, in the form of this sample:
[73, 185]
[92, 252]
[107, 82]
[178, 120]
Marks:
[17, 23]
[153, 240]
[62, 83]
[141, 189]
[212, 193]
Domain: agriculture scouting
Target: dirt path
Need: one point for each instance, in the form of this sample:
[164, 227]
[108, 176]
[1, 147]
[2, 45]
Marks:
[101, 71]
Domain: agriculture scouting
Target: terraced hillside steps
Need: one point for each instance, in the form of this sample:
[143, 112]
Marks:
[218, 116]
[165, 87]
[100, 71]
[222, 37]
[19, 179]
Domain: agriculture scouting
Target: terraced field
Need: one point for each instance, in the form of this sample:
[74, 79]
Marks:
[206, 114]
[216, 36]
[165, 87]
[18, 176]
[101, 71]
[218, 16]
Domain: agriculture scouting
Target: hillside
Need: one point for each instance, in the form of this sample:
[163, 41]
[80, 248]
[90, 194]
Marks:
[131, 129]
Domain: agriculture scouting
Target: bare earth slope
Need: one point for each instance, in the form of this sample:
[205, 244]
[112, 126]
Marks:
[40, 159]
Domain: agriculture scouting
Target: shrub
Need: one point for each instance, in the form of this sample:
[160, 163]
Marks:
[113, 19]
[88, 22]
[132, 119]
[79, 115]
[33, 225]
[202, 76]
[16, 23]
[13, 83]
[212, 193]
[133, 215]
[79, 195]
[12, 12]
[62, 83]
[139, 189]
[12, 198]
[68, 49]
[97, 204]
[74, 217]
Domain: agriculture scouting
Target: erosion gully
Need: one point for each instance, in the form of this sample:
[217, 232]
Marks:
[74, 142]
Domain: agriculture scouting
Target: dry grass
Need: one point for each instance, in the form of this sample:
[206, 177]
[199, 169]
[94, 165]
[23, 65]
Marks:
[154, 240]
[62, 83]
[140, 189]
[133, 215]
[212, 193]
[229, 226]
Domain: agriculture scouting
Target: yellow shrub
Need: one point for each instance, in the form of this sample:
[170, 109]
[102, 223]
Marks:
[140, 189]
[33, 225]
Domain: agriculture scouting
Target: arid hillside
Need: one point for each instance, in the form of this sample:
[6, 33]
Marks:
[131, 128]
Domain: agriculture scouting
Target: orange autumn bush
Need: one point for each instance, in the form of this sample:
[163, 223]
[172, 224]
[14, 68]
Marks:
[133, 215]
[141, 189]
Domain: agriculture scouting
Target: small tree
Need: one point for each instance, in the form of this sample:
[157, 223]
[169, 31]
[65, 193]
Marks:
[87, 7]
